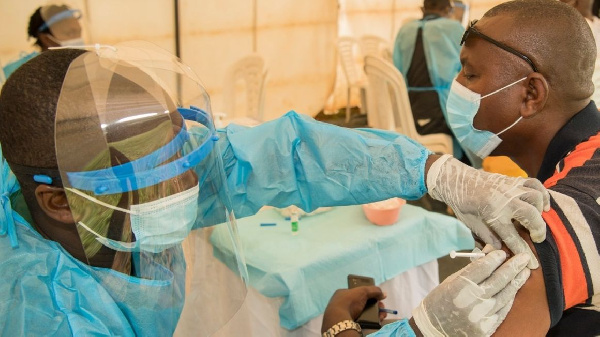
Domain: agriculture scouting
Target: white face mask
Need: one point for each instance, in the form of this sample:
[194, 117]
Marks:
[157, 225]
[462, 106]
[77, 42]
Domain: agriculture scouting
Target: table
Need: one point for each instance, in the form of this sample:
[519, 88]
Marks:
[301, 272]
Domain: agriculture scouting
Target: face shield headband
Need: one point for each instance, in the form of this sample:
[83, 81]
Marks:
[139, 173]
[116, 179]
[71, 13]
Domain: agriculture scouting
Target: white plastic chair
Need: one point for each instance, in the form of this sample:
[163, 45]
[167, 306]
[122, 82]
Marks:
[376, 46]
[346, 46]
[252, 72]
[389, 105]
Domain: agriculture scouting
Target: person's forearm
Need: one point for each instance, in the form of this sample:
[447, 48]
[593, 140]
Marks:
[295, 160]
[333, 317]
[432, 158]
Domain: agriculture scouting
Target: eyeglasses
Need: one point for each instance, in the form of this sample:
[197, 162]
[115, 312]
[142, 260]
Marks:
[472, 30]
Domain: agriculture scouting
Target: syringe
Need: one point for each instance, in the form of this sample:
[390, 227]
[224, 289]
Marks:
[454, 254]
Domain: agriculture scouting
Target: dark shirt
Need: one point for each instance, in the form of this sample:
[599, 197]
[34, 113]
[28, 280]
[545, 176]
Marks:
[570, 254]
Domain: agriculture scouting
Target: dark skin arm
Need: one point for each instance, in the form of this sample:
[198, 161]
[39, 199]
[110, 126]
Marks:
[529, 315]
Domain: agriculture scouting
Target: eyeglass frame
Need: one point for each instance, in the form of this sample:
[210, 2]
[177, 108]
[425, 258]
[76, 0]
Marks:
[498, 44]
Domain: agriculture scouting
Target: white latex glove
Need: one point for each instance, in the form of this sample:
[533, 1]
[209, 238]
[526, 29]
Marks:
[487, 203]
[475, 300]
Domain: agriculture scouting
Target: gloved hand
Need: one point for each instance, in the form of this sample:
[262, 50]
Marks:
[474, 300]
[487, 203]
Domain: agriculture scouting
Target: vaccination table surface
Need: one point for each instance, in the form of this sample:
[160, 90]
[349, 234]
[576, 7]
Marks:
[305, 269]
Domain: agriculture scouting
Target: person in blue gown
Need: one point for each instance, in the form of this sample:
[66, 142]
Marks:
[102, 181]
[51, 26]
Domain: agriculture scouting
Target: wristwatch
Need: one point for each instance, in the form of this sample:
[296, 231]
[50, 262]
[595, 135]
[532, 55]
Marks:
[342, 326]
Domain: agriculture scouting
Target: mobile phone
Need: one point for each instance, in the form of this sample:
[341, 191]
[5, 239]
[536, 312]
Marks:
[369, 318]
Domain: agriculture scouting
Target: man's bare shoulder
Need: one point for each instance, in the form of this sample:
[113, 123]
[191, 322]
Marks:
[529, 315]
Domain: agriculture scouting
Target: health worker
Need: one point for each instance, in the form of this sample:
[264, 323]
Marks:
[50, 26]
[126, 177]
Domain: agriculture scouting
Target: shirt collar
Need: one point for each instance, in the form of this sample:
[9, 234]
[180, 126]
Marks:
[579, 128]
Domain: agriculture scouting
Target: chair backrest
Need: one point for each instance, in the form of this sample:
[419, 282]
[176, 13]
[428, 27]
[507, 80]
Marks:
[252, 72]
[346, 48]
[374, 45]
[388, 98]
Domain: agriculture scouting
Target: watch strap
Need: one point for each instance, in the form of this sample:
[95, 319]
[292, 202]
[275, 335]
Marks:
[342, 326]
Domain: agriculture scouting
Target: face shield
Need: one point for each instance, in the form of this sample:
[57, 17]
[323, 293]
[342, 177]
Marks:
[137, 154]
[63, 23]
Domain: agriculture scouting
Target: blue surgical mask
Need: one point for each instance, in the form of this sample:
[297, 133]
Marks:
[157, 225]
[461, 107]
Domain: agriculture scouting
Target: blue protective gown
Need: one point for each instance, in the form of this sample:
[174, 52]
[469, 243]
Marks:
[45, 291]
[441, 43]
[295, 160]
[10, 68]
[291, 160]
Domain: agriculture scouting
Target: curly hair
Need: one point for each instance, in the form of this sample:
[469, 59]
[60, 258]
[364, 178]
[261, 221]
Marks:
[35, 22]
[27, 111]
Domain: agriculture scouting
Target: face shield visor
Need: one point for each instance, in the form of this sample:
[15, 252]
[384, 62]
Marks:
[137, 154]
[63, 23]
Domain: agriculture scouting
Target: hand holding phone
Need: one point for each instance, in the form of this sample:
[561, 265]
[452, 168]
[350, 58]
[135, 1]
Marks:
[369, 318]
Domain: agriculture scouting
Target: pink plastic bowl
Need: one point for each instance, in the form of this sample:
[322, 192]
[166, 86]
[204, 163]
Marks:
[384, 212]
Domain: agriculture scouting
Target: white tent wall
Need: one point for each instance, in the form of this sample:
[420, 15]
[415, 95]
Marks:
[296, 38]
[114, 21]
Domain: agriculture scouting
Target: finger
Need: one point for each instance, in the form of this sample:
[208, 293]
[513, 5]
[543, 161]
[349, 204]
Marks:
[481, 310]
[500, 316]
[382, 314]
[509, 235]
[502, 304]
[476, 250]
[504, 276]
[479, 228]
[481, 269]
[534, 198]
[531, 219]
[372, 292]
[507, 295]
[536, 184]
[487, 249]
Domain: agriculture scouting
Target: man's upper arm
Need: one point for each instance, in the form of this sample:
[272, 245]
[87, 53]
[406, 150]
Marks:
[529, 315]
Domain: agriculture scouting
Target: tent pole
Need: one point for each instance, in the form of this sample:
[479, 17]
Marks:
[177, 37]
[254, 23]
[177, 47]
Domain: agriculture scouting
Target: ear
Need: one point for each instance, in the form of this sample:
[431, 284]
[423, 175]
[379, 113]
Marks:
[536, 95]
[53, 201]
